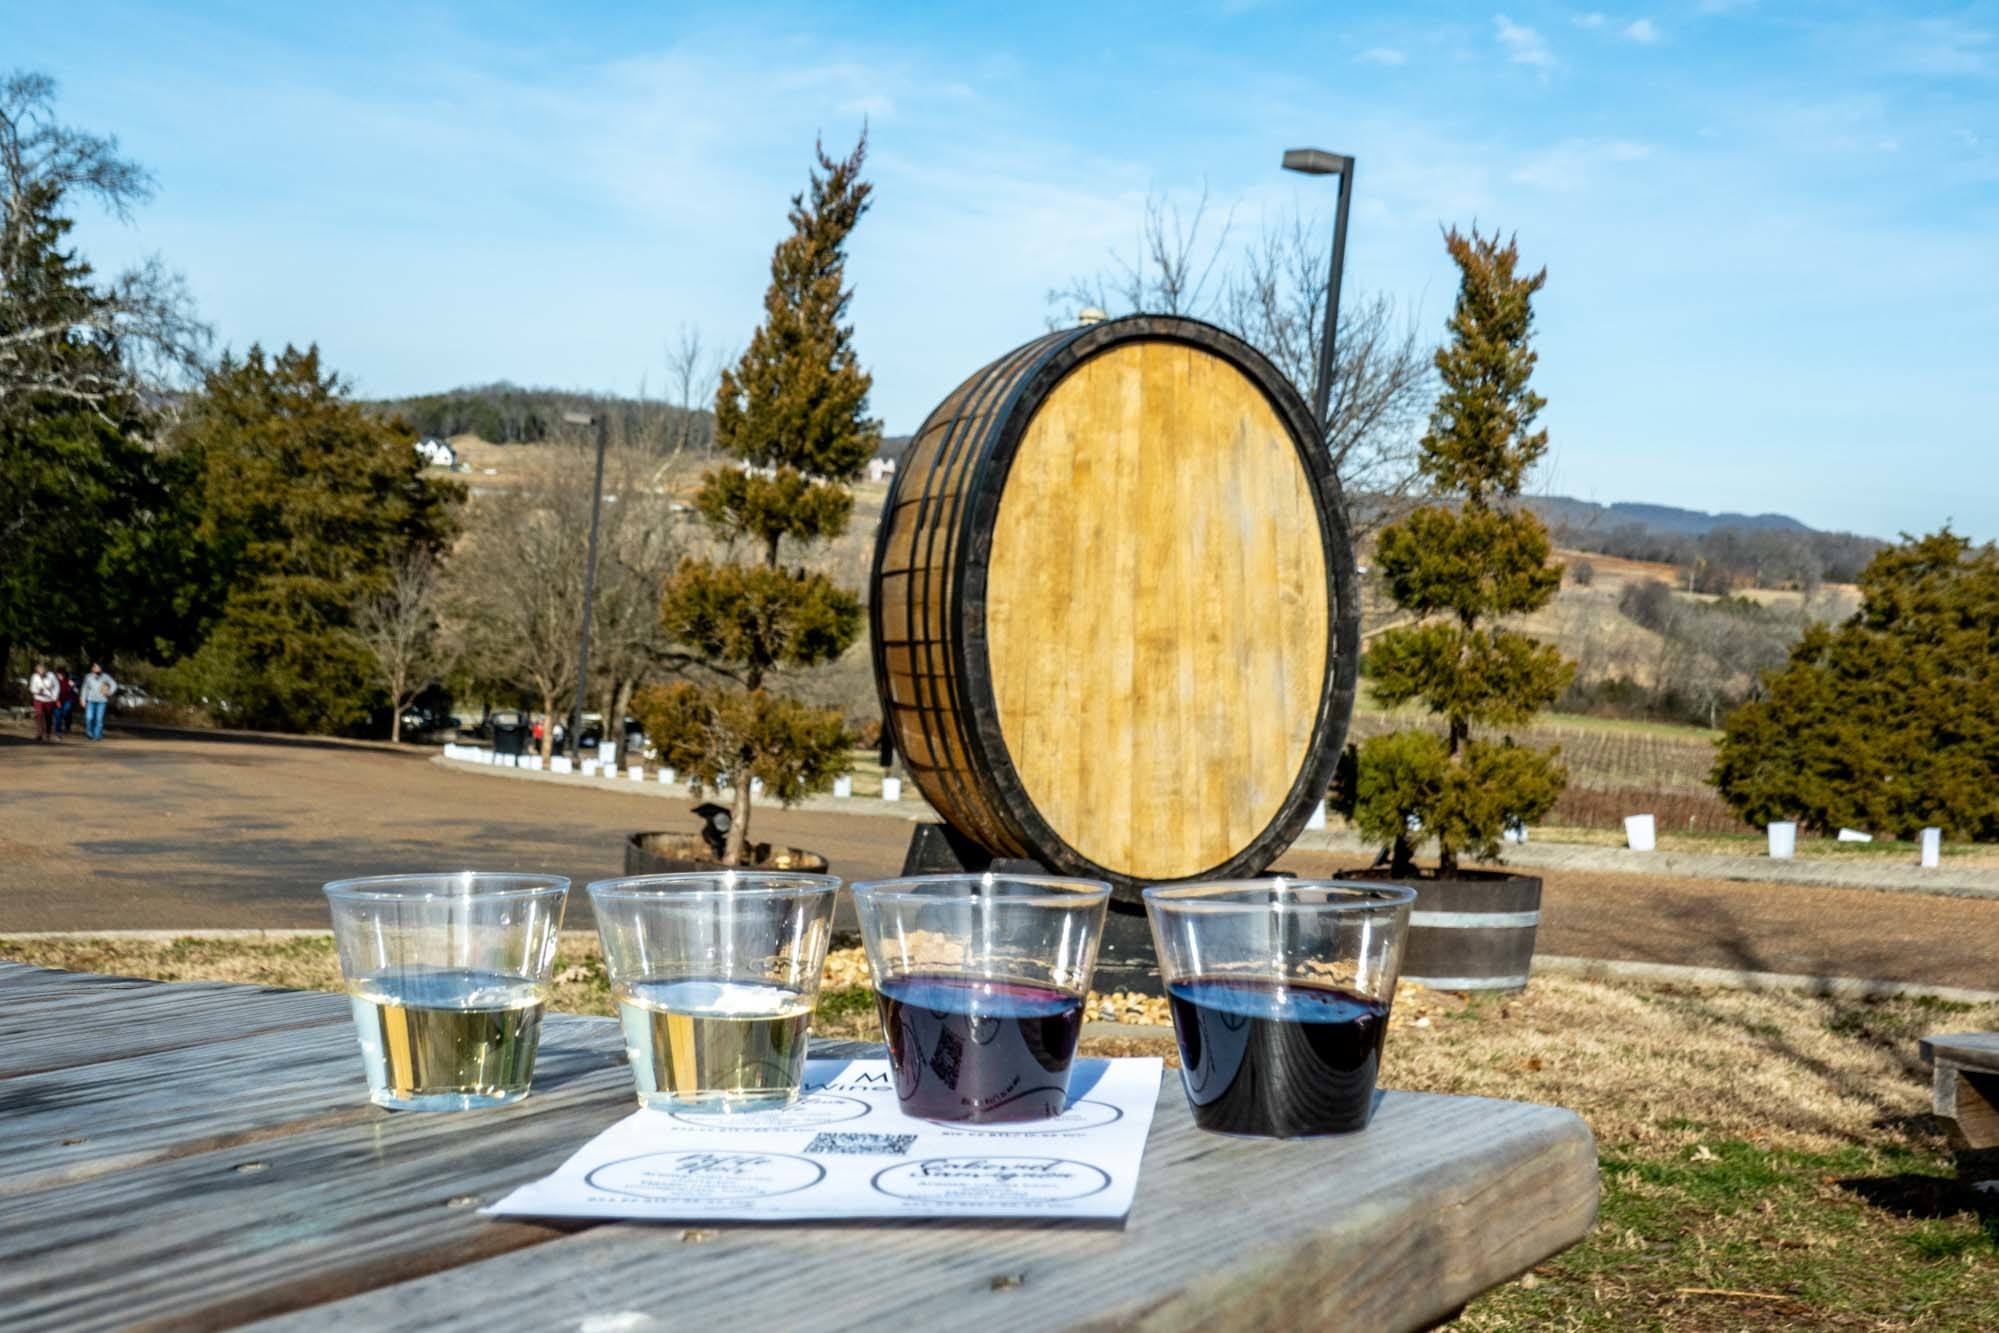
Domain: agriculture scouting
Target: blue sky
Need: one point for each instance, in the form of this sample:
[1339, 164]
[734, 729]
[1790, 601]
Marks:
[1772, 230]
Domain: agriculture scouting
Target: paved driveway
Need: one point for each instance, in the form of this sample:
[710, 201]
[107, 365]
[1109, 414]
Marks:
[153, 833]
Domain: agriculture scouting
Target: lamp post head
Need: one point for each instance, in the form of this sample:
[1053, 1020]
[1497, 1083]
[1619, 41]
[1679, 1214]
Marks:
[1317, 161]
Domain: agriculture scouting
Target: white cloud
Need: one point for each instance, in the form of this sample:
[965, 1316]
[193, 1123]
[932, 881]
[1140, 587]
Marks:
[1382, 55]
[1641, 31]
[1590, 20]
[1524, 46]
[1945, 47]
[1568, 166]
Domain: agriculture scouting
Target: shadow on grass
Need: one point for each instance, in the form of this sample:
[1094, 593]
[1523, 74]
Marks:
[1930, 1198]
[1853, 1018]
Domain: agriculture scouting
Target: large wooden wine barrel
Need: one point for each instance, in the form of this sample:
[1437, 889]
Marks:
[1114, 606]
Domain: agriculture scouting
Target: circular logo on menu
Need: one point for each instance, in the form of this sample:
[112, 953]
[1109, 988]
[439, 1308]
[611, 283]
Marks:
[1077, 1115]
[991, 1180]
[817, 1108]
[706, 1175]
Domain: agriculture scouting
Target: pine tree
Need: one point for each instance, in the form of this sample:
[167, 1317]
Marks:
[1887, 722]
[793, 412]
[306, 502]
[1457, 571]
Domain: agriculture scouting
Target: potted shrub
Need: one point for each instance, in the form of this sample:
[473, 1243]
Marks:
[1458, 569]
[793, 413]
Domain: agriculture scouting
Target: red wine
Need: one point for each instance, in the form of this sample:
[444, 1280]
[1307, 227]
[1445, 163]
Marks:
[972, 1048]
[1275, 1058]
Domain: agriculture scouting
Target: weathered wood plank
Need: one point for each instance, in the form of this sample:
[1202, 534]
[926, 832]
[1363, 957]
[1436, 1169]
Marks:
[66, 1125]
[1965, 1091]
[1440, 1199]
[315, 1208]
[1970, 1050]
[63, 1024]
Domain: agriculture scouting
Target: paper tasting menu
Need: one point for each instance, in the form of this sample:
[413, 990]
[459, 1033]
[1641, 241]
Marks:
[845, 1150]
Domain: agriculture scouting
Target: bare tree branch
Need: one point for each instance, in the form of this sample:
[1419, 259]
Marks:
[399, 627]
[143, 320]
[1273, 296]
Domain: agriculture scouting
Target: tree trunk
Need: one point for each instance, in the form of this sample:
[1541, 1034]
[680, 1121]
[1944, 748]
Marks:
[1403, 858]
[739, 823]
[547, 728]
[621, 700]
[396, 724]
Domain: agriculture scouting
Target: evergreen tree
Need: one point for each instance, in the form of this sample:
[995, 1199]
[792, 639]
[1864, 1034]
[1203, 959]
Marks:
[793, 412]
[90, 542]
[1889, 722]
[306, 502]
[1457, 570]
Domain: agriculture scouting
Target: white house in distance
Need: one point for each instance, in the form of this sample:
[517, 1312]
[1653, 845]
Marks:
[436, 452]
[881, 469]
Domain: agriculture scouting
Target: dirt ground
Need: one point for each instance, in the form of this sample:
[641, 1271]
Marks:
[145, 832]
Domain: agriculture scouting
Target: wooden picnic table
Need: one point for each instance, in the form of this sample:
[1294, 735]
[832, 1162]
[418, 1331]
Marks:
[202, 1155]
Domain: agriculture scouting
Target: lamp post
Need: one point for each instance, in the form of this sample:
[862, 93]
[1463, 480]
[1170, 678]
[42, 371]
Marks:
[601, 422]
[1319, 162]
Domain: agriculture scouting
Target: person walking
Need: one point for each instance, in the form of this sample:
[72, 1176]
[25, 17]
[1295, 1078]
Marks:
[98, 687]
[65, 699]
[45, 690]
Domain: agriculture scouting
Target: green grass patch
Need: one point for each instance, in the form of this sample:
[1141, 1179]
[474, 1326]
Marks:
[1726, 1234]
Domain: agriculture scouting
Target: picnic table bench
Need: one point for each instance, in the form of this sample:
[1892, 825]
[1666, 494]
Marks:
[1965, 1093]
[203, 1155]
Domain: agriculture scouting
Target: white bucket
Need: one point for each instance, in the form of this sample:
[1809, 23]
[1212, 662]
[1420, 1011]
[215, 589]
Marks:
[1318, 817]
[1640, 834]
[1932, 847]
[891, 789]
[1854, 835]
[1783, 839]
[843, 786]
[559, 763]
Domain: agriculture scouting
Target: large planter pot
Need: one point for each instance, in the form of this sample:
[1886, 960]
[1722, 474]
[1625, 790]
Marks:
[678, 853]
[683, 853]
[1473, 932]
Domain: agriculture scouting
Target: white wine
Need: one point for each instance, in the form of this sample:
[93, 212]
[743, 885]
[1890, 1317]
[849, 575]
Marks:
[718, 1042]
[438, 1039]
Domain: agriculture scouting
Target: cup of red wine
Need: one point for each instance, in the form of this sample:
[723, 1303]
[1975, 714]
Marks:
[980, 982]
[1280, 991]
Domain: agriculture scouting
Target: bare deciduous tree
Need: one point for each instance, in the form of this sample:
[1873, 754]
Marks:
[1167, 275]
[399, 626]
[1273, 296]
[516, 587]
[515, 597]
[692, 372]
[144, 315]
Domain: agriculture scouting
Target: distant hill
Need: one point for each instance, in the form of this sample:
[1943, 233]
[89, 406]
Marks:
[1576, 516]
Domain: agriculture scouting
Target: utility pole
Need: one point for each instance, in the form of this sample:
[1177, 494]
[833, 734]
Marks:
[1318, 162]
[601, 421]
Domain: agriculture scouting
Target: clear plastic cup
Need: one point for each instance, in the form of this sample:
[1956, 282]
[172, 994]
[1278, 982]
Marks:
[715, 975]
[448, 977]
[1280, 991]
[980, 982]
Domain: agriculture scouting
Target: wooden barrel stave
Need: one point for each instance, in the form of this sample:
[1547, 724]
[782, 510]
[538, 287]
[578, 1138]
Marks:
[929, 608]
